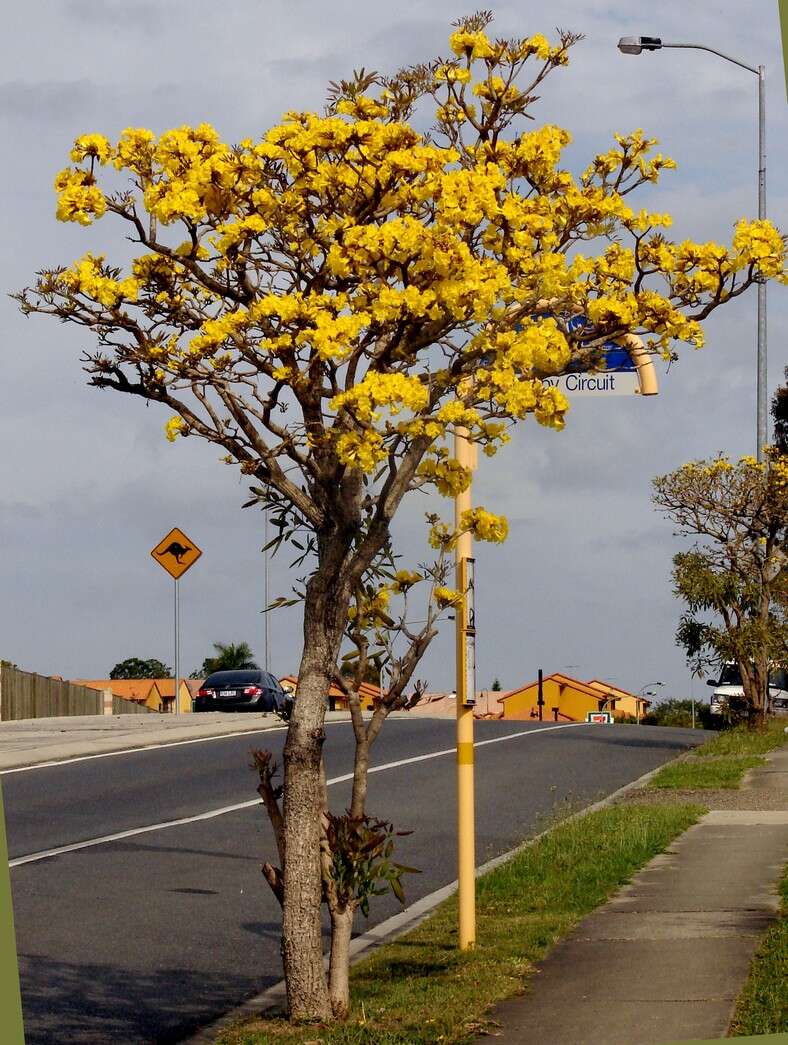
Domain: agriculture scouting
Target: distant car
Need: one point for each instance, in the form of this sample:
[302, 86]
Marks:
[730, 685]
[248, 690]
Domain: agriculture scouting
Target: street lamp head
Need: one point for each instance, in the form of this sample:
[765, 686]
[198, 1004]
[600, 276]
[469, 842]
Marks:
[636, 44]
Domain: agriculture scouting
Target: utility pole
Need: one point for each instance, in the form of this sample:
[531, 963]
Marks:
[466, 697]
[266, 614]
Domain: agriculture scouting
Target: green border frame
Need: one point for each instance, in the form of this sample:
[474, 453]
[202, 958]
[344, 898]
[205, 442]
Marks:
[12, 1031]
[782, 7]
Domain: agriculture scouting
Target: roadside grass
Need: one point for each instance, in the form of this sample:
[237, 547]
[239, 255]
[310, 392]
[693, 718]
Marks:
[762, 1007]
[742, 741]
[419, 990]
[699, 774]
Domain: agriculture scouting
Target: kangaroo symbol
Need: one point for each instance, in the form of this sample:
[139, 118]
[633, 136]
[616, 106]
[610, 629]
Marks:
[176, 550]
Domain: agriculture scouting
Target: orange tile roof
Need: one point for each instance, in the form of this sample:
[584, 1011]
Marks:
[367, 691]
[166, 687]
[129, 689]
[615, 690]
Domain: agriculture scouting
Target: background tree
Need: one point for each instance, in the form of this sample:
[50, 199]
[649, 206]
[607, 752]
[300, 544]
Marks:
[329, 305]
[734, 581]
[496, 686]
[677, 712]
[228, 657]
[136, 668]
[371, 673]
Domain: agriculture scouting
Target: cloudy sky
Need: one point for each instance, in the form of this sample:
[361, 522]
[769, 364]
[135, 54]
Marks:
[89, 484]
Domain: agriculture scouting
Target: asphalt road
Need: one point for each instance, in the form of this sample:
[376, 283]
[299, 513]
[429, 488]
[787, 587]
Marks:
[146, 937]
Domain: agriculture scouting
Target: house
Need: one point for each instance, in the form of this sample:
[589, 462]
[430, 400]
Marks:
[140, 691]
[166, 688]
[565, 700]
[621, 702]
[436, 705]
[337, 701]
[488, 703]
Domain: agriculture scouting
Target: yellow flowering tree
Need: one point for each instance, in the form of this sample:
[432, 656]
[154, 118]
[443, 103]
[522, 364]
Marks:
[734, 581]
[329, 303]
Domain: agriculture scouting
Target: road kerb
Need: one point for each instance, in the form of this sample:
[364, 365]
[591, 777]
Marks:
[273, 998]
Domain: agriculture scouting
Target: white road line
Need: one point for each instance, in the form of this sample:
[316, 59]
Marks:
[146, 747]
[45, 854]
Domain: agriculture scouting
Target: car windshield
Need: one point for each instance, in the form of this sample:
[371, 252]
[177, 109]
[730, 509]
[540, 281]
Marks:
[779, 679]
[730, 675]
[232, 678]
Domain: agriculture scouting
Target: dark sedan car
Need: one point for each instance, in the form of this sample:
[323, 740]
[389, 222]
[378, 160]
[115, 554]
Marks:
[250, 690]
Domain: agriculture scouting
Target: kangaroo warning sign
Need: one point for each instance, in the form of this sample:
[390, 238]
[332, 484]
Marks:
[176, 553]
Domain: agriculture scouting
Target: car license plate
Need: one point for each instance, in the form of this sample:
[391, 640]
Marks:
[226, 692]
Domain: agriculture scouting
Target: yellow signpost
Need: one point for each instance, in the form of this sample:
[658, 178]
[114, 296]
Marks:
[465, 617]
[176, 553]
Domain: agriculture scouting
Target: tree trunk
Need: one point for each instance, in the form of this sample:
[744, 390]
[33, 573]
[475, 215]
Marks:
[339, 968]
[302, 942]
[754, 678]
[762, 689]
[325, 612]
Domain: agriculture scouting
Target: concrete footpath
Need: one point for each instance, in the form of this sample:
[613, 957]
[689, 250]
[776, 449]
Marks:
[665, 959]
[32, 742]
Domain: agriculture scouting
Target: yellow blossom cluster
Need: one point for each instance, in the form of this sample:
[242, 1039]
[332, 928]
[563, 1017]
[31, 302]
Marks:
[394, 391]
[470, 45]
[447, 475]
[481, 524]
[92, 146]
[403, 580]
[362, 450]
[371, 609]
[484, 525]
[633, 155]
[446, 597]
[87, 277]
[759, 243]
[174, 428]
[79, 198]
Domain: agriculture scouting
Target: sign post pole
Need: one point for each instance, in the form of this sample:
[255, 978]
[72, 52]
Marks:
[177, 643]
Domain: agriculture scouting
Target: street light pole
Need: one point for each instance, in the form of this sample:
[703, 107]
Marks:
[643, 692]
[638, 44]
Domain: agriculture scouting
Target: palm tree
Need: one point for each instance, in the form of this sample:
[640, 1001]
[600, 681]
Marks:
[228, 657]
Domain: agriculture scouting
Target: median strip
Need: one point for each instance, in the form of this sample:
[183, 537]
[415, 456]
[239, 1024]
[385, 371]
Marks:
[420, 989]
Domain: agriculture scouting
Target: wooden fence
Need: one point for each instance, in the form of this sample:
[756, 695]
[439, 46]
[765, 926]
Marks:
[24, 694]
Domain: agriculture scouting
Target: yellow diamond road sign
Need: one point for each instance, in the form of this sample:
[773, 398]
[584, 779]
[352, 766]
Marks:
[176, 553]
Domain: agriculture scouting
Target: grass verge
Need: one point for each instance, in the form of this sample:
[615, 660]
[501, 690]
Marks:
[742, 741]
[419, 990]
[762, 1007]
[696, 774]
